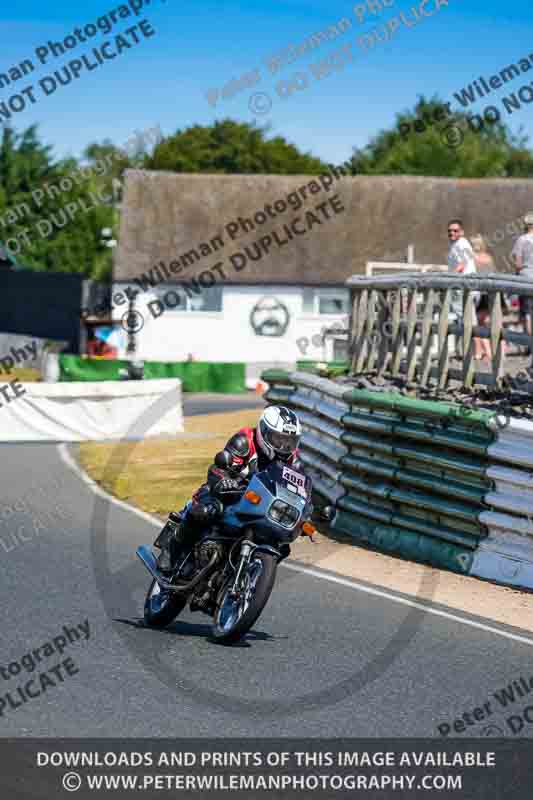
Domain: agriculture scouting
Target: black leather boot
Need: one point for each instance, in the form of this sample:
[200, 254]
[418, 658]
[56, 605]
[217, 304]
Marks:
[169, 543]
[164, 561]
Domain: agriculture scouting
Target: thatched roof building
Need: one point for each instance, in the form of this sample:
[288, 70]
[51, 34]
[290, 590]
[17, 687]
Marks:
[196, 221]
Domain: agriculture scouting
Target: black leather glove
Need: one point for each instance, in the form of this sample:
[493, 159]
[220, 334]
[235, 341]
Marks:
[228, 484]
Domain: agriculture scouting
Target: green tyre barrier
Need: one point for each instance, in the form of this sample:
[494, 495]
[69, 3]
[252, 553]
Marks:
[277, 376]
[413, 481]
[408, 406]
[407, 544]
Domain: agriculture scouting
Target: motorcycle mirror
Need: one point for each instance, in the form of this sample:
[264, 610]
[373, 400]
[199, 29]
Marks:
[327, 513]
[223, 459]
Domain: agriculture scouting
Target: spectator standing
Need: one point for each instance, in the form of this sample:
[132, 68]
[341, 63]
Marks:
[484, 266]
[484, 261]
[461, 260]
[522, 255]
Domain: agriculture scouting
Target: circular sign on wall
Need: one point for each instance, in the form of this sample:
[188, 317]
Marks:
[269, 317]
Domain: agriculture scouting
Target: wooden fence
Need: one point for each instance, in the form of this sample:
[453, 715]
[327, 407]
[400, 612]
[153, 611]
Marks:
[404, 324]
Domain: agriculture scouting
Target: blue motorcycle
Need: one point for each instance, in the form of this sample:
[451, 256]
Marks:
[229, 571]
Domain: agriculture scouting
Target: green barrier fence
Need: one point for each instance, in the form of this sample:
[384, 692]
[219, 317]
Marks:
[196, 376]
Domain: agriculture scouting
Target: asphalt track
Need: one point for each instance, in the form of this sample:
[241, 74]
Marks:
[194, 404]
[326, 659]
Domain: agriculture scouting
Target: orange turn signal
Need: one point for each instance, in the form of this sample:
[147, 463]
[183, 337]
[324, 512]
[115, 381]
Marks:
[253, 497]
[308, 529]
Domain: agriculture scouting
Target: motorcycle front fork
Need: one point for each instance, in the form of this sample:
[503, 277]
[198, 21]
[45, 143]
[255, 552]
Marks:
[246, 551]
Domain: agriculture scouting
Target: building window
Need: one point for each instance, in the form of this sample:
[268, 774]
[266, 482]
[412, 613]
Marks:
[172, 299]
[308, 301]
[209, 300]
[177, 299]
[333, 304]
[325, 301]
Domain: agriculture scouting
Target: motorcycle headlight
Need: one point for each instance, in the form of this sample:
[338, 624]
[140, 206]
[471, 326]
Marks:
[284, 514]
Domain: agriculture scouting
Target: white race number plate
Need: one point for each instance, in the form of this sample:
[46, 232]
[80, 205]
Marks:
[295, 479]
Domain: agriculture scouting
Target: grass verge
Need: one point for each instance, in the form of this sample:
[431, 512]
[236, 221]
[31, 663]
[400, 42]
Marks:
[160, 475]
[24, 375]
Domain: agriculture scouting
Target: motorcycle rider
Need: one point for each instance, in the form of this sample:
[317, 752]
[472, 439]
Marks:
[248, 451]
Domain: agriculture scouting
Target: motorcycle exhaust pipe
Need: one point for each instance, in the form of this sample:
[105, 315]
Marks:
[149, 561]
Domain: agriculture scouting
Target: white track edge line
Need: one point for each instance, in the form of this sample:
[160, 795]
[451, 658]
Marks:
[72, 465]
[412, 603]
[82, 475]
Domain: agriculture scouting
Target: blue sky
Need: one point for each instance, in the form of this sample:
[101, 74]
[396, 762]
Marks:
[202, 45]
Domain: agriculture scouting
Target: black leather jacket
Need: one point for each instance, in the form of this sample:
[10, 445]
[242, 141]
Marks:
[246, 459]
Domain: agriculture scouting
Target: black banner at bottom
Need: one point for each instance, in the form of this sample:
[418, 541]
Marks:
[265, 768]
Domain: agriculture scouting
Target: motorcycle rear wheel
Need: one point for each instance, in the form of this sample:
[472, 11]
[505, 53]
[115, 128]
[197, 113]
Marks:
[161, 607]
[235, 617]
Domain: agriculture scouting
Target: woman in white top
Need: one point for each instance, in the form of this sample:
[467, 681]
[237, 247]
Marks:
[522, 255]
[484, 265]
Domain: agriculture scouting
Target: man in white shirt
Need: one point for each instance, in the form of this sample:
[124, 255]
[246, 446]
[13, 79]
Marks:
[460, 255]
[461, 259]
[522, 254]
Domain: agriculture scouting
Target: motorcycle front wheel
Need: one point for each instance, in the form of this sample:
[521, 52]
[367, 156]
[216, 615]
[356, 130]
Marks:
[235, 615]
[161, 607]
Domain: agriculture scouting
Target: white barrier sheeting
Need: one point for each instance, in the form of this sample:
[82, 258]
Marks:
[512, 481]
[513, 450]
[514, 444]
[87, 411]
[496, 521]
[509, 544]
[520, 427]
[512, 502]
[506, 556]
[496, 566]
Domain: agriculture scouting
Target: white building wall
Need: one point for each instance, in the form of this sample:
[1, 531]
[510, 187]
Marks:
[228, 335]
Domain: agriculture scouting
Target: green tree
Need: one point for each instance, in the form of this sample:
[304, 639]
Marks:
[24, 161]
[231, 147]
[49, 219]
[108, 163]
[446, 147]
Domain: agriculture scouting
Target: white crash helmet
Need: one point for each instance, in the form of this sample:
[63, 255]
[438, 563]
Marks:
[278, 432]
